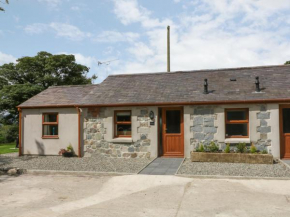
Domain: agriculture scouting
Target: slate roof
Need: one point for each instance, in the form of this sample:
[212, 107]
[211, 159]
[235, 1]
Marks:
[175, 87]
[69, 95]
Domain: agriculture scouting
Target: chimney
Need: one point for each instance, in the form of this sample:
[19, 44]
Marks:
[168, 48]
[257, 82]
[205, 91]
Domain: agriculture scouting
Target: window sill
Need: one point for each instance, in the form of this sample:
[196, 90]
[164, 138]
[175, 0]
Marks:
[50, 137]
[237, 140]
[122, 140]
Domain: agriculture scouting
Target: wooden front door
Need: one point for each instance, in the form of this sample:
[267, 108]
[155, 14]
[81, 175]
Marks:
[172, 132]
[285, 131]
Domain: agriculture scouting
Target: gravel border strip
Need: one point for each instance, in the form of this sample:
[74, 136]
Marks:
[232, 177]
[179, 166]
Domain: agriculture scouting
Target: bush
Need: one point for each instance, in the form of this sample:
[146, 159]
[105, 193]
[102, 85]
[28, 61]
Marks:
[8, 133]
[227, 149]
[200, 148]
[253, 149]
[265, 151]
[241, 147]
[213, 147]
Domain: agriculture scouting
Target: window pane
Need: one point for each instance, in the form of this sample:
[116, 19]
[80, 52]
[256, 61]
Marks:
[50, 130]
[123, 116]
[173, 121]
[50, 118]
[123, 130]
[236, 115]
[237, 130]
[286, 120]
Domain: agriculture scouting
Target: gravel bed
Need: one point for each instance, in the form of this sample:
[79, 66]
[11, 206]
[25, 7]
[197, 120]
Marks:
[234, 169]
[97, 163]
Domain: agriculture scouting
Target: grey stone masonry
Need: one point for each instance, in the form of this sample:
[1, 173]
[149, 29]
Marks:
[263, 129]
[202, 128]
[95, 131]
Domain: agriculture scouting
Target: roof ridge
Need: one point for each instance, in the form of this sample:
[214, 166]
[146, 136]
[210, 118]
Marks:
[200, 70]
[78, 85]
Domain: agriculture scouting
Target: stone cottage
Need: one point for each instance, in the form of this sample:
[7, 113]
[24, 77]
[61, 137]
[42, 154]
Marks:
[162, 114]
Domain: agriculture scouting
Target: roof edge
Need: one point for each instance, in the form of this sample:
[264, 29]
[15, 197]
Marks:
[201, 70]
[163, 103]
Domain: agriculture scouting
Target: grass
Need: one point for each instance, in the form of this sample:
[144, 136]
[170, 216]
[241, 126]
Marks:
[6, 148]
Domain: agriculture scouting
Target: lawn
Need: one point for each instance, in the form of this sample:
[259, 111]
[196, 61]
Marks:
[6, 148]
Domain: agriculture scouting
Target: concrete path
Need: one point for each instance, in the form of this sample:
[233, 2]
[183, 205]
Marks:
[141, 196]
[163, 166]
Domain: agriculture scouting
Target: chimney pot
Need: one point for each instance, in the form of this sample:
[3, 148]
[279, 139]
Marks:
[257, 82]
[205, 85]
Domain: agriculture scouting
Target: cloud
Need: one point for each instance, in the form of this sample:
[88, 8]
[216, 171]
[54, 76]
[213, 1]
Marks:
[69, 31]
[60, 29]
[210, 34]
[35, 28]
[6, 58]
[52, 4]
[129, 11]
[114, 36]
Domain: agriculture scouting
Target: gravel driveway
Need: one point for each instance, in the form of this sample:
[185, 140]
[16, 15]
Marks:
[96, 163]
[234, 169]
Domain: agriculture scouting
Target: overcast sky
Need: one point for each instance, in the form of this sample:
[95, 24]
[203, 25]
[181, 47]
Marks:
[205, 34]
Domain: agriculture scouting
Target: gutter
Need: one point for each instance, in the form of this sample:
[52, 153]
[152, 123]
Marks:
[19, 133]
[79, 132]
[162, 103]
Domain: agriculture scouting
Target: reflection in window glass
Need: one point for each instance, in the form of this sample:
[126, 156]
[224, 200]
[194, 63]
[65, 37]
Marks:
[50, 118]
[237, 130]
[123, 117]
[236, 115]
[286, 120]
[50, 130]
[173, 121]
[123, 130]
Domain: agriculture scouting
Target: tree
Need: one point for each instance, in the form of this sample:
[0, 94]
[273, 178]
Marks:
[7, 2]
[31, 75]
[287, 62]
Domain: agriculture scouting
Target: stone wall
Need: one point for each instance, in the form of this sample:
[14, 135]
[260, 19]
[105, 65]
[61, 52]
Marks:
[203, 127]
[264, 115]
[95, 131]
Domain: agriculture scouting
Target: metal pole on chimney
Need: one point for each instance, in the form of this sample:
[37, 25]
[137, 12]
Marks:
[168, 48]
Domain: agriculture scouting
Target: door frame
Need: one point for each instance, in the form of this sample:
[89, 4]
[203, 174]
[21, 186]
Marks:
[160, 129]
[282, 140]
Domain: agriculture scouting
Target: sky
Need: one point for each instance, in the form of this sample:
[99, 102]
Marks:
[205, 34]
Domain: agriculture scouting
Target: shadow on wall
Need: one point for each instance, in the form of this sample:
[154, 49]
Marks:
[40, 147]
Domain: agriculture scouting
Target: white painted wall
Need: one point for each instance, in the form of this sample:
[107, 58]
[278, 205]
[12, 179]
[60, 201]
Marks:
[33, 144]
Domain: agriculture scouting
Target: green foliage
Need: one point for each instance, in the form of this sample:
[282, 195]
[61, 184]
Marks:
[241, 147]
[8, 148]
[7, 2]
[31, 75]
[227, 149]
[265, 151]
[287, 62]
[69, 148]
[253, 149]
[200, 148]
[212, 147]
[8, 133]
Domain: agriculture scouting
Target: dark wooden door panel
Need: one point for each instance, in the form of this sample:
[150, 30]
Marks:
[172, 132]
[285, 131]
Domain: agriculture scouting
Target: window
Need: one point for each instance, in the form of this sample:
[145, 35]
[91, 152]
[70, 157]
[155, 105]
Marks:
[123, 124]
[237, 123]
[50, 125]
